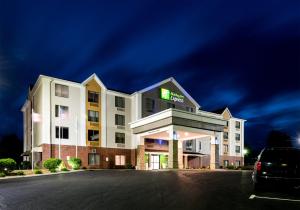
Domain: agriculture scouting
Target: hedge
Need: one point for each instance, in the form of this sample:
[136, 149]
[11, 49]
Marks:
[52, 163]
[75, 163]
[7, 165]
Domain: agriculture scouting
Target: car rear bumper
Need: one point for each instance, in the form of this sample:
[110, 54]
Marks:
[277, 180]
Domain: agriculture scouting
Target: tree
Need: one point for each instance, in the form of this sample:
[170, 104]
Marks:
[278, 139]
[11, 147]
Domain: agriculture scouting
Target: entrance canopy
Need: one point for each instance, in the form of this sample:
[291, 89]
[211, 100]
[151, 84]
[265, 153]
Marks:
[175, 117]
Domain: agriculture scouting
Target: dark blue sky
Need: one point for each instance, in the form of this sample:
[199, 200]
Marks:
[242, 55]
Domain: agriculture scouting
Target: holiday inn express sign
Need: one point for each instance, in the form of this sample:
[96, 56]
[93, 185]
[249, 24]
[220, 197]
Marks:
[171, 96]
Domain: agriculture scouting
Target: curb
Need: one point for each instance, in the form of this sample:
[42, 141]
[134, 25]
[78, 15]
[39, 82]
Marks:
[38, 175]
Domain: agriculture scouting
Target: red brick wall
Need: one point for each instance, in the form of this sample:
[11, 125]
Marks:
[231, 160]
[83, 152]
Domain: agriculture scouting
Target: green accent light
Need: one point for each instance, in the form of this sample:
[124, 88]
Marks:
[165, 94]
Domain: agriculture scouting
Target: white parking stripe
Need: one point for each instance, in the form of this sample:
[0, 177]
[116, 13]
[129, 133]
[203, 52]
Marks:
[270, 198]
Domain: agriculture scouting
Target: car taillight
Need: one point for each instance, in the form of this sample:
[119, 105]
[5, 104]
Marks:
[258, 166]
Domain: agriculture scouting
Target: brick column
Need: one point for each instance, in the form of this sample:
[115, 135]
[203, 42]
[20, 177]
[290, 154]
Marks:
[173, 154]
[141, 157]
[186, 163]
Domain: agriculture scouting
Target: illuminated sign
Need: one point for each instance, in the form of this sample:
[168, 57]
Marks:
[171, 96]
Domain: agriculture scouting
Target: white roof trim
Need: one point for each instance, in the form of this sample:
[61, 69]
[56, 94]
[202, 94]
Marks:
[226, 109]
[25, 105]
[171, 79]
[95, 77]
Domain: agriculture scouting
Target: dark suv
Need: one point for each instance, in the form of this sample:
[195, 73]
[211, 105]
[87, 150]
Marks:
[277, 166]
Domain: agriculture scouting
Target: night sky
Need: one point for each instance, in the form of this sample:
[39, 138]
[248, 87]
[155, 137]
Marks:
[242, 55]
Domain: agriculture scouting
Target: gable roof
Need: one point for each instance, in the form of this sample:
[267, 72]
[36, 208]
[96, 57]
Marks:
[171, 79]
[222, 110]
[96, 78]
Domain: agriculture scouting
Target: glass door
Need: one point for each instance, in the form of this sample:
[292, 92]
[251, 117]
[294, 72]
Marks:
[155, 161]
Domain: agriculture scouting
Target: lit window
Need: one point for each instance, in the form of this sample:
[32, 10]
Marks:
[93, 135]
[94, 159]
[93, 116]
[93, 97]
[120, 160]
[61, 110]
[61, 90]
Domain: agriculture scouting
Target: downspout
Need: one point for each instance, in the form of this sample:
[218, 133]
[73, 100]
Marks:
[50, 150]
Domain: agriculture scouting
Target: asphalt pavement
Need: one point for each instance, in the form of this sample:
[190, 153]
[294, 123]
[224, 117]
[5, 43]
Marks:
[129, 189]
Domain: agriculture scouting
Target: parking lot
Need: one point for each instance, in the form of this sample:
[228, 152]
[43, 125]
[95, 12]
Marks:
[126, 189]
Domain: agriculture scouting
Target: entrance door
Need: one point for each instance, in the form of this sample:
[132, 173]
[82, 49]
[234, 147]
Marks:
[155, 161]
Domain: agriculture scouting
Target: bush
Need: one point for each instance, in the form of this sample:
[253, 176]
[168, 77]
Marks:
[75, 163]
[231, 167]
[2, 174]
[7, 165]
[64, 169]
[37, 171]
[129, 166]
[20, 173]
[52, 170]
[83, 168]
[52, 164]
[25, 165]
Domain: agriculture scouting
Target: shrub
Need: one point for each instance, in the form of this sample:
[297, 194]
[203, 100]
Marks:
[75, 163]
[25, 165]
[83, 167]
[37, 171]
[129, 166]
[2, 174]
[7, 165]
[52, 164]
[64, 169]
[52, 170]
[230, 167]
[20, 173]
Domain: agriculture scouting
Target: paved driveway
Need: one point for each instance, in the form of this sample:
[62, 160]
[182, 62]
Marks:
[125, 189]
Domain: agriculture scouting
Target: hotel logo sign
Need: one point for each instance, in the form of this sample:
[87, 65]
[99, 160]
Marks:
[171, 96]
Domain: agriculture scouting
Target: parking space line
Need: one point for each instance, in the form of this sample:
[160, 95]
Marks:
[271, 198]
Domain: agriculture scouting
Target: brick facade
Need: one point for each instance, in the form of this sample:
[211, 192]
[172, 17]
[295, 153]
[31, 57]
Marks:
[107, 155]
[231, 159]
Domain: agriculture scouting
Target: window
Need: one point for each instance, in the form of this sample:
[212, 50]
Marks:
[93, 116]
[237, 137]
[237, 163]
[237, 149]
[189, 145]
[226, 163]
[61, 110]
[93, 135]
[119, 120]
[199, 145]
[64, 132]
[61, 90]
[93, 97]
[225, 135]
[150, 104]
[192, 109]
[170, 105]
[119, 102]
[237, 124]
[225, 148]
[94, 159]
[120, 138]
[120, 160]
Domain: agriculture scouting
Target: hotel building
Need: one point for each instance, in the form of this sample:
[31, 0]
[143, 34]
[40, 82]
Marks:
[158, 127]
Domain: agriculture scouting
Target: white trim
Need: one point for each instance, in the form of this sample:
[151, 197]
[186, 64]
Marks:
[116, 93]
[94, 76]
[171, 79]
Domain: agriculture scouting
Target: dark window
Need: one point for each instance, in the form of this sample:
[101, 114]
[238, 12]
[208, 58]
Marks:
[119, 120]
[93, 135]
[199, 145]
[237, 149]
[225, 135]
[93, 116]
[94, 159]
[170, 105]
[192, 109]
[237, 137]
[189, 145]
[61, 90]
[93, 97]
[237, 124]
[150, 104]
[120, 138]
[64, 132]
[62, 110]
[119, 102]
[225, 148]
